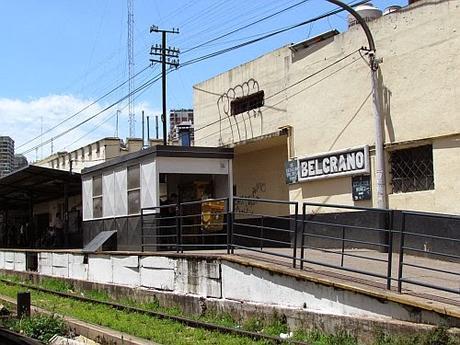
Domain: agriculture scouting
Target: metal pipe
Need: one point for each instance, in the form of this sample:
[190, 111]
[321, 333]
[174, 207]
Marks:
[156, 127]
[143, 129]
[148, 130]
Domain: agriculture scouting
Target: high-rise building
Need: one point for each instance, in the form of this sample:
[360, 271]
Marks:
[6, 155]
[179, 117]
[19, 161]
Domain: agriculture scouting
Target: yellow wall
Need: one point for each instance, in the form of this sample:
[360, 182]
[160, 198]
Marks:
[259, 173]
[331, 109]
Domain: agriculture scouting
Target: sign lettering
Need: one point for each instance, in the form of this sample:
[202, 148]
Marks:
[334, 164]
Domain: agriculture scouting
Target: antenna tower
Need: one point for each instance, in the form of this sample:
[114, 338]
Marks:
[132, 116]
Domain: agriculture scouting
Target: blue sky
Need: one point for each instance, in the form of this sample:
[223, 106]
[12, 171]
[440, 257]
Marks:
[59, 56]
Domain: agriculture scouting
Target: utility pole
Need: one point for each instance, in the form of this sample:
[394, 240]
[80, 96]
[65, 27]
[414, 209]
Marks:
[168, 56]
[376, 108]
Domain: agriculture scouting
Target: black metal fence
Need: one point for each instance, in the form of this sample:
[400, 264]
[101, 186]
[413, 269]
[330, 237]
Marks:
[186, 226]
[265, 226]
[357, 241]
[432, 253]
[331, 229]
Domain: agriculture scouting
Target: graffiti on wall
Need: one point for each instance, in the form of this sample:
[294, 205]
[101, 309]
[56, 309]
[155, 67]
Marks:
[247, 206]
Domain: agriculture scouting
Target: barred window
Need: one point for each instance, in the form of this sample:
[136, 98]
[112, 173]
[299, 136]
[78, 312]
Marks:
[412, 169]
[246, 103]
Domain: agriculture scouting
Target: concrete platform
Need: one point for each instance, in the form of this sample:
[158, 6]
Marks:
[372, 266]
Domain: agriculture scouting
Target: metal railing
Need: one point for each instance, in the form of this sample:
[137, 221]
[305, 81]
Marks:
[438, 240]
[183, 226]
[346, 232]
[356, 240]
[259, 231]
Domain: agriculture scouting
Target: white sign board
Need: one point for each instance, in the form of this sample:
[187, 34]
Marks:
[334, 164]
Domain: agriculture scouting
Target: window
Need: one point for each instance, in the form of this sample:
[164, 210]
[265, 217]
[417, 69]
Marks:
[247, 103]
[134, 189]
[97, 196]
[412, 169]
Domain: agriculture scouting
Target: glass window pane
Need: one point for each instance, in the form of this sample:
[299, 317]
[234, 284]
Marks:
[134, 177]
[97, 207]
[134, 202]
[97, 185]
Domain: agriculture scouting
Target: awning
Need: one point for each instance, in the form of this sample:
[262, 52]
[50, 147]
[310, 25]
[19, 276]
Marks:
[38, 184]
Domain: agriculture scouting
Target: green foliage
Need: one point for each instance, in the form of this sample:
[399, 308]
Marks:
[222, 319]
[438, 336]
[276, 326]
[56, 285]
[40, 326]
[316, 337]
[253, 324]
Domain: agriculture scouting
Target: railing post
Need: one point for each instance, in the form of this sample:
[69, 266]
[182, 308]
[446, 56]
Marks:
[302, 238]
[294, 253]
[229, 227]
[262, 232]
[401, 251]
[390, 215]
[343, 246]
[142, 230]
[179, 228]
[232, 227]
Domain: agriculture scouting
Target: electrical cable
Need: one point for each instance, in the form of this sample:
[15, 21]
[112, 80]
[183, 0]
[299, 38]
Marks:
[187, 63]
[84, 108]
[291, 27]
[145, 85]
[247, 25]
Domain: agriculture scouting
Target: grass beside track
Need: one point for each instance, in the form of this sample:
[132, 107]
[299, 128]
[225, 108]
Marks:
[140, 325]
[166, 331]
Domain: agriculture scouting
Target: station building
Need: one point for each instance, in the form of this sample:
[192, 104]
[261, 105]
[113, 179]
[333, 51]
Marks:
[301, 124]
[116, 192]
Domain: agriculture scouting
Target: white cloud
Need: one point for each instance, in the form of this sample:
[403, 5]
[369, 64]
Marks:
[23, 119]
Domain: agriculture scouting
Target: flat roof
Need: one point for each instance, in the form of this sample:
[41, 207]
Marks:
[166, 151]
[36, 182]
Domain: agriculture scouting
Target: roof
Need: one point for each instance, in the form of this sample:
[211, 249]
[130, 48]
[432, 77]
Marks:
[166, 151]
[40, 183]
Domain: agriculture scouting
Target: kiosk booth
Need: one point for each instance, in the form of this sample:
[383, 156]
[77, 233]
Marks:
[116, 193]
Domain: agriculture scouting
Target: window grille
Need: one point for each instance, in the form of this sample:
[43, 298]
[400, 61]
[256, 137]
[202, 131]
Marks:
[412, 169]
[246, 103]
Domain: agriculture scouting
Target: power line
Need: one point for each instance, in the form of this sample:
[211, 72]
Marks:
[246, 26]
[284, 89]
[291, 27]
[145, 85]
[84, 108]
[196, 60]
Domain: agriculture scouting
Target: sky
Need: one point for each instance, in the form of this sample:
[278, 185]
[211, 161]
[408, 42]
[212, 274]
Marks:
[59, 57]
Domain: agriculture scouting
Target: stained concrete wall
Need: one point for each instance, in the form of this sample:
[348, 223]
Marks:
[332, 110]
[219, 279]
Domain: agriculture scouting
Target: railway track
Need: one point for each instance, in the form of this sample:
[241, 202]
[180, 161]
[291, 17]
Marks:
[186, 321]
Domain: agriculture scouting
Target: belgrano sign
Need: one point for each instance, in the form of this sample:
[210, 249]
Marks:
[334, 164]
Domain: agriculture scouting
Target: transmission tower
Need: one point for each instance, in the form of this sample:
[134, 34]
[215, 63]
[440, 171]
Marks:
[132, 116]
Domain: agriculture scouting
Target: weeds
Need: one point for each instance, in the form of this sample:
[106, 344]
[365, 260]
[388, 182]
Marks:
[39, 326]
